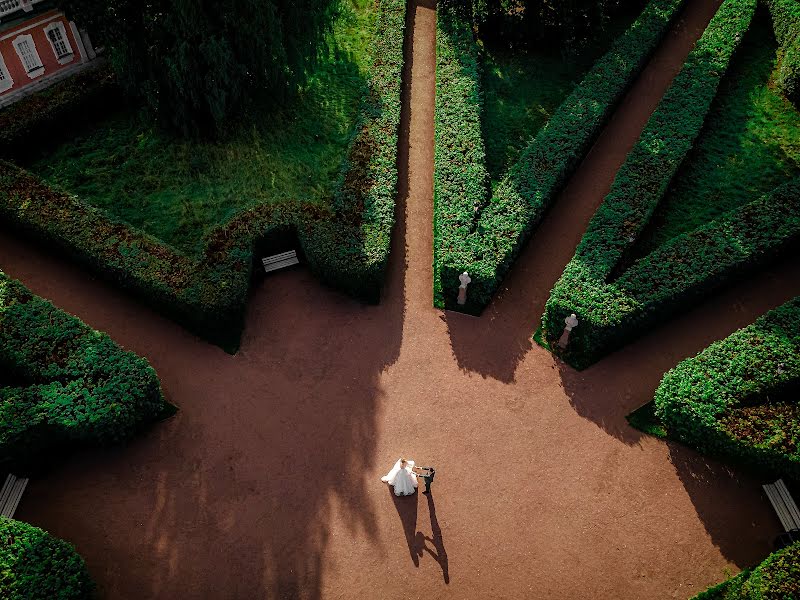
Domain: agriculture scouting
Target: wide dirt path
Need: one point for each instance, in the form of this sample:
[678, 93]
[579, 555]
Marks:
[266, 483]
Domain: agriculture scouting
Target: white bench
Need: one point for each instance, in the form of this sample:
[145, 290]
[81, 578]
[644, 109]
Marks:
[783, 504]
[280, 261]
[11, 494]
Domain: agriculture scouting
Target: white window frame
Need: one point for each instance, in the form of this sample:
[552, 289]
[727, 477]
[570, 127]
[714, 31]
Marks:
[7, 83]
[36, 71]
[70, 55]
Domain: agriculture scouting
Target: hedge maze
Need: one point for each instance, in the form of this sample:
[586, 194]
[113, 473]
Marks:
[345, 245]
[617, 296]
[482, 232]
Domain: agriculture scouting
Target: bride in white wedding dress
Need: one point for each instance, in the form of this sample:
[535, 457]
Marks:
[402, 478]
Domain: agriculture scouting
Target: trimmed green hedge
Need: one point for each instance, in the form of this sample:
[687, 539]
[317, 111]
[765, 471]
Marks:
[36, 566]
[719, 401]
[639, 186]
[461, 179]
[484, 236]
[54, 111]
[777, 578]
[348, 247]
[674, 276]
[81, 387]
[786, 23]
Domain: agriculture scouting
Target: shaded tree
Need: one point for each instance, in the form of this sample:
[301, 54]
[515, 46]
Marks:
[197, 63]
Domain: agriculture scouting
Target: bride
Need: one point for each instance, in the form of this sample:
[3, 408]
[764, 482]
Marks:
[402, 477]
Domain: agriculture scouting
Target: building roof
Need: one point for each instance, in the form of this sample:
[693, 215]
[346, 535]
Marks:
[19, 17]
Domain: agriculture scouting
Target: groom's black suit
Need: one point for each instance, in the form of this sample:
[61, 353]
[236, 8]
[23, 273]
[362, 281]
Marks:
[428, 478]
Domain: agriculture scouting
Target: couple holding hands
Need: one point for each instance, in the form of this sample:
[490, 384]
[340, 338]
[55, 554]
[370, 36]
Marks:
[403, 477]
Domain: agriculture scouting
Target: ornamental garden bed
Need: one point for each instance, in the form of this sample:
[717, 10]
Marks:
[719, 143]
[486, 209]
[178, 223]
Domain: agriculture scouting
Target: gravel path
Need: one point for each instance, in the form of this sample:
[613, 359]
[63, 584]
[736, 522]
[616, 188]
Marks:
[267, 482]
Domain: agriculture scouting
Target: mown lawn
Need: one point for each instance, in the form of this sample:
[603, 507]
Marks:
[750, 145]
[179, 190]
[523, 87]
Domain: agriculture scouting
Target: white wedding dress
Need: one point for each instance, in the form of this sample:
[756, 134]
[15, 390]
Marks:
[402, 479]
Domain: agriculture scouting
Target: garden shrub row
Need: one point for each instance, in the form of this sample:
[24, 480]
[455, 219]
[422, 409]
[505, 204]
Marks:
[639, 186]
[484, 235]
[66, 106]
[731, 399]
[461, 178]
[786, 23]
[674, 276]
[34, 565]
[347, 247]
[777, 578]
[80, 387]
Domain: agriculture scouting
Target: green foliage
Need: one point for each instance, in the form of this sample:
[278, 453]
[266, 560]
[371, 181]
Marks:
[604, 309]
[29, 122]
[737, 399]
[35, 565]
[346, 244]
[777, 578]
[644, 419]
[747, 148]
[179, 190]
[197, 64]
[786, 21]
[564, 24]
[81, 387]
[484, 236]
[673, 277]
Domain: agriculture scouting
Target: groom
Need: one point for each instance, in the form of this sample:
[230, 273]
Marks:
[427, 476]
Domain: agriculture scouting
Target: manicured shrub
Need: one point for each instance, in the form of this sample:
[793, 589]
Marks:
[673, 277]
[348, 246]
[777, 578]
[46, 115]
[786, 23]
[81, 387]
[35, 565]
[639, 186]
[486, 243]
[728, 400]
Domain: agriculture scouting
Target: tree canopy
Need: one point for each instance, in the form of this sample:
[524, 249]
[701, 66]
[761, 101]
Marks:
[196, 63]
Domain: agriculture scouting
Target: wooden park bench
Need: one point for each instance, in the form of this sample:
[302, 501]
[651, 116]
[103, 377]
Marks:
[787, 511]
[11, 494]
[280, 261]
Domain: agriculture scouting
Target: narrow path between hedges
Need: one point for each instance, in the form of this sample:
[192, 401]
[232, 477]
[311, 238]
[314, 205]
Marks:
[266, 483]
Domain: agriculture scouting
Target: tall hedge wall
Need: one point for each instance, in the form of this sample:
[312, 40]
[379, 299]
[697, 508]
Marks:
[641, 183]
[348, 247]
[786, 23]
[674, 276]
[729, 400]
[483, 235]
[36, 566]
[81, 387]
[777, 578]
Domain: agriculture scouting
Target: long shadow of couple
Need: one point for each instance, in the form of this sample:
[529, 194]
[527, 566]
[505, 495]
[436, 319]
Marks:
[407, 508]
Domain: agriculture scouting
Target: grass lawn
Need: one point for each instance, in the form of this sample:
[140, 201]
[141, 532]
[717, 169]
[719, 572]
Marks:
[522, 88]
[179, 190]
[750, 145]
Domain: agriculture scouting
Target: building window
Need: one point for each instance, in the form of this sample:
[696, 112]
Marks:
[26, 50]
[58, 40]
[6, 83]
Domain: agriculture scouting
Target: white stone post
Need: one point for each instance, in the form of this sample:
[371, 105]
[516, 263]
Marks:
[571, 323]
[465, 280]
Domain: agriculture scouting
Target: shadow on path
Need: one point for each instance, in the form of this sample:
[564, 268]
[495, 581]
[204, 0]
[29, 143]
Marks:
[439, 554]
